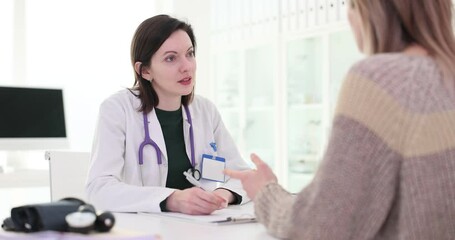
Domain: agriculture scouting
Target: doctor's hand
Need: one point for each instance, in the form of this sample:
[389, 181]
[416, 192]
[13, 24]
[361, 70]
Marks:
[226, 195]
[194, 201]
[253, 180]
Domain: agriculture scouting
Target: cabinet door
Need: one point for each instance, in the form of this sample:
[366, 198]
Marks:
[343, 53]
[311, 98]
[227, 75]
[260, 117]
[305, 109]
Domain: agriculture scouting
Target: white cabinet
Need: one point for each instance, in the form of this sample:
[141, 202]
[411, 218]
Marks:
[244, 92]
[315, 68]
[276, 90]
[305, 104]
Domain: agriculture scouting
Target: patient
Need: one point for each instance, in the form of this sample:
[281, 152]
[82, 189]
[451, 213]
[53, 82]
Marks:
[389, 168]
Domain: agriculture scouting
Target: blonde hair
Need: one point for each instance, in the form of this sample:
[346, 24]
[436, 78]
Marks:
[392, 25]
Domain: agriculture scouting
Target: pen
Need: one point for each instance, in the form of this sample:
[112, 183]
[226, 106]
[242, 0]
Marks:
[236, 220]
[193, 181]
[241, 220]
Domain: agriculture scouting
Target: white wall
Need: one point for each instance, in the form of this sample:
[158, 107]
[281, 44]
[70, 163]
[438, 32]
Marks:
[197, 13]
[81, 46]
[6, 41]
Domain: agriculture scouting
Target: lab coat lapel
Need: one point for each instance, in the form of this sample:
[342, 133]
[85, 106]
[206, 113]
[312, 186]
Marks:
[156, 134]
[186, 133]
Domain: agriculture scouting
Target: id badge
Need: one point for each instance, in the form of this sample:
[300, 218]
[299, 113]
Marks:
[212, 168]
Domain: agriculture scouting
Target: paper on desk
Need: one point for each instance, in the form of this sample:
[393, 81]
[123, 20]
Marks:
[115, 234]
[233, 211]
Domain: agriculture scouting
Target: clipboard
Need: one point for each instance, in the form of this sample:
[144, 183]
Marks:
[233, 214]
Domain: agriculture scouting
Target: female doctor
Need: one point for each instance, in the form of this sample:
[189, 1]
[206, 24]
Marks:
[147, 137]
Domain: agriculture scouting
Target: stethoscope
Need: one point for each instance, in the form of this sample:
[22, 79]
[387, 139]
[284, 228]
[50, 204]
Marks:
[148, 141]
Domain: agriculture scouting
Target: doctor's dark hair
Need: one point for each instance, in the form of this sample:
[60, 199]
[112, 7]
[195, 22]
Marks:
[147, 39]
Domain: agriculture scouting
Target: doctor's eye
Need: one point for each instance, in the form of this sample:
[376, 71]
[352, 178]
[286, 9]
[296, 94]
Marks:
[170, 58]
[190, 54]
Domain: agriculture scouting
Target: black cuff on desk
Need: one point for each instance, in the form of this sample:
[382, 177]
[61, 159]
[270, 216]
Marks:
[163, 206]
[237, 197]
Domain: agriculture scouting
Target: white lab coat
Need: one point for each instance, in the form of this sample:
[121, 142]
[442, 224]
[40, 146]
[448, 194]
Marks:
[116, 181]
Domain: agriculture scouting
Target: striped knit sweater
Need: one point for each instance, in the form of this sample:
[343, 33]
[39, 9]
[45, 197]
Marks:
[389, 168]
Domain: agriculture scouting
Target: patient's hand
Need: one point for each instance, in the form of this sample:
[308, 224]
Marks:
[254, 180]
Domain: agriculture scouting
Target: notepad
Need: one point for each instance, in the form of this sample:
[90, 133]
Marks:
[234, 214]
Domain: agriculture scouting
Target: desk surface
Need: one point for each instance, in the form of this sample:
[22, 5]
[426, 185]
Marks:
[166, 227]
[136, 225]
[169, 228]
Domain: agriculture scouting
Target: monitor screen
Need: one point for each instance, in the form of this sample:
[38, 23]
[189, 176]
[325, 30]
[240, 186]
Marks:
[31, 114]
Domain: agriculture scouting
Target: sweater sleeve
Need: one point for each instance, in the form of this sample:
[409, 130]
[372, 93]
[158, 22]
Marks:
[356, 183]
[273, 208]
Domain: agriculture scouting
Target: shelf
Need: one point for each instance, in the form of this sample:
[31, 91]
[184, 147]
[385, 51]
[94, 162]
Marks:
[260, 109]
[306, 106]
[229, 109]
[303, 163]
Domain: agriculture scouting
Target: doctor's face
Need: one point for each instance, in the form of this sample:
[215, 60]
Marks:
[173, 67]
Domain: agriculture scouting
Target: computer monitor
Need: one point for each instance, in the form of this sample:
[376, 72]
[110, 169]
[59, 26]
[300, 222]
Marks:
[32, 118]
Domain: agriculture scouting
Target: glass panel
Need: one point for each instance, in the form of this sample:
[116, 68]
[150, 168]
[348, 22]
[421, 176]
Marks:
[259, 136]
[305, 137]
[231, 120]
[297, 181]
[305, 109]
[305, 141]
[259, 74]
[259, 88]
[304, 71]
[227, 74]
[343, 54]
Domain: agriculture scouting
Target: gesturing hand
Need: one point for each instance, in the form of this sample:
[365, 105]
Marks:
[253, 180]
[194, 201]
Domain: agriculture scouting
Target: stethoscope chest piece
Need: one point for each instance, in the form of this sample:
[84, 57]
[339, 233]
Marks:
[195, 173]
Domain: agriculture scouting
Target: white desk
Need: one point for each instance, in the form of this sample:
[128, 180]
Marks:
[169, 228]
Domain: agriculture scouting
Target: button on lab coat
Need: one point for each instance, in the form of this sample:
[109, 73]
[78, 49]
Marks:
[117, 182]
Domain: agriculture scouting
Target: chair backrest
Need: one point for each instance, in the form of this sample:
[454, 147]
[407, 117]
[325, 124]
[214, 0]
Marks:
[68, 172]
